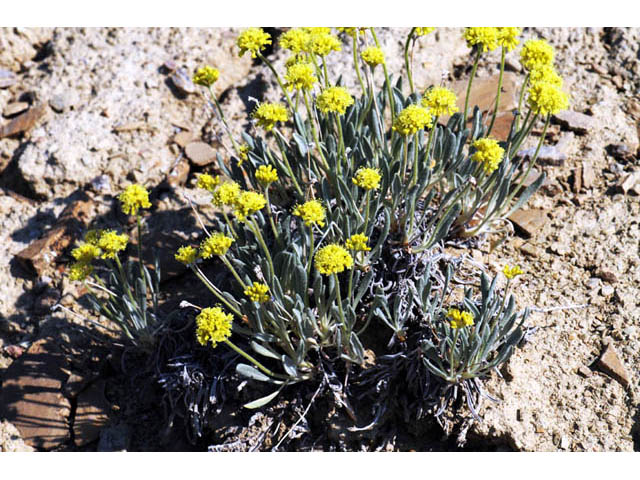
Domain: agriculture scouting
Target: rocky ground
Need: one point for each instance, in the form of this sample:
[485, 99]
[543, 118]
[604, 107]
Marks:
[88, 111]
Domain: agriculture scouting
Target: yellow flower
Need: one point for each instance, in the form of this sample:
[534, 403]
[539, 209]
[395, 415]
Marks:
[208, 182]
[186, 255]
[300, 76]
[333, 259]
[311, 212]
[226, 194]
[512, 272]
[536, 54]
[358, 242]
[133, 198]
[459, 319]
[213, 325]
[440, 101]
[267, 114]
[243, 153]
[546, 98]
[295, 40]
[258, 292]
[217, 244]
[111, 243]
[508, 37]
[206, 76]
[334, 99]
[79, 271]
[85, 253]
[488, 153]
[367, 178]
[266, 174]
[351, 31]
[421, 31]
[486, 38]
[253, 40]
[92, 237]
[373, 56]
[248, 203]
[412, 119]
[323, 43]
[317, 30]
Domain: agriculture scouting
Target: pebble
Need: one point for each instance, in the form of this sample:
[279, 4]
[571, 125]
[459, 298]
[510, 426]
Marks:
[588, 175]
[23, 122]
[7, 78]
[15, 108]
[529, 222]
[606, 275]
[630, 183]
[58, 103]
[200, 153]
[548, 155]
[607, 290]
[574, 121]
[183, 138]
[610, 364]
[593, 283]
[182, 81]
[101, 184]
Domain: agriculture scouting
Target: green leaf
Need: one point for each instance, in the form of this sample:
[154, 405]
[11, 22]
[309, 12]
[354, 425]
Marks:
[262, 401]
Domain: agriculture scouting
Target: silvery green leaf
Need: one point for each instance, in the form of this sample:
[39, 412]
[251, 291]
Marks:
[251, 372]
[262, 401]
[265, 352]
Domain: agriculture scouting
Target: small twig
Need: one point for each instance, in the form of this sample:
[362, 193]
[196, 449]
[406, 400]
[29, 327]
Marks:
[196, 212]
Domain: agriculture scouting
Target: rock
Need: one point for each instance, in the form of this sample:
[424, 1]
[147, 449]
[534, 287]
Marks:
[39, 257]
[529, 250]
[23, 122]
[15, 108]
[620, 152]
[10, 440]
[584, 371]
[7, 78]
[183, 138]
[14, 351]
[529, 222]
[75, 384]
[606, 275]
[565, 142]
[92, 414]
[101, 184]
[588, 175]
[560, 248]
[630, 183]
[31, 396]
[483, 93]
[607, 290]
[200, 153]
[179, 173]
[576, 180]
[502, 126]
[58, 103]
[548, 155]
[574, 121]
[182, 81]
[115, 439]
[610, 364]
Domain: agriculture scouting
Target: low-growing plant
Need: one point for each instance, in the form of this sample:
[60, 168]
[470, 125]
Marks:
[333, 208]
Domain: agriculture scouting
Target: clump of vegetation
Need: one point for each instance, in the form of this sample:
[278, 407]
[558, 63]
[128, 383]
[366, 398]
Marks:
[332, 214]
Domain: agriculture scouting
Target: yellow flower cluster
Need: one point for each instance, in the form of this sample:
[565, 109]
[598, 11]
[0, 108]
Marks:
[216, 244]
[206, 76]
[536, 54]
[440, 101]
[79, 271]
[547, 99]
[358, 242]
[300, 76]
[213, 325]
[111, 243]
[258, 292]
[243, 153]
[334, 99]
[412, 119]
[85, 253]
[266, 174]
[208, 182]
[367, 178]
[226, 194]
[333, 259]
[248, 203]
[373, 56]
[267, 114]
[186, 255]
[488, 153]
[512, 272]
[253, 40]
[546, 74]
[133, 198]
[508, 37]
[459, 319]
[295, 39]
[311, 212]
[485, 38]
[323, 43]
[422, 31]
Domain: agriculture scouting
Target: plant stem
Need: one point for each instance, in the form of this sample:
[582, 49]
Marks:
[311, 248]
[273, 70]
[224, 120]
[213, 289]
[270, 213]
[524, 87]
[140, 262]
[453, 346]
[314, 131]
[495, 109]
[466, 100]
[414, 175]
[233, 271]
[341, 144]
[254, 361]
[342, 317]
[226, 219]
[386, 77]
[406, 59]
[532, 162]
[431, 135]
[356, 62]
[256, 231]
[287, 164]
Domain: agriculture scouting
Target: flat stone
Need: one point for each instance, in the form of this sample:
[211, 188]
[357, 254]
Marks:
[630, 183]
[7, 78]
[548, 155]
[610, 364]
[484, 91]
[620, 152]
[584, 371]
[529, 222]
[200, 153]
[39, 257]
[574, 121]
[502, 126]
[31, 397]
[15, 108]
[529, 250]
[92, 414]
[607, 290]
[606, 275]
[588, 175]
[182, 81]
[184, 138]
[179, 173]
[576, 180]
[23, 122]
